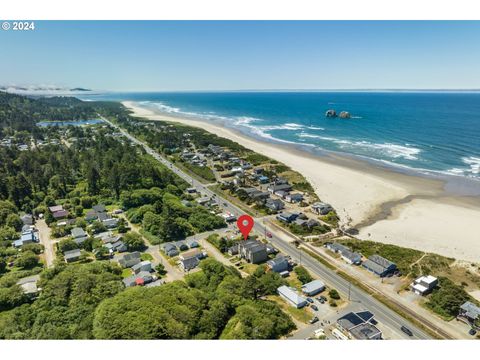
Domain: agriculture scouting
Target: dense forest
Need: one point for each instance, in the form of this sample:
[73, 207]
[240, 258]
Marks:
[79, 167]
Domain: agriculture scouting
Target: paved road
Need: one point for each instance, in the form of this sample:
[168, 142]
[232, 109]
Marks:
[382, 313]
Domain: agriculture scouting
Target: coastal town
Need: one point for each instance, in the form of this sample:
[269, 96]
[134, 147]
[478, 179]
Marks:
[158, 215]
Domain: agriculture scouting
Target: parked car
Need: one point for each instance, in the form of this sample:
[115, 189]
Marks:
[269, 234]
[472, 332]
[406, 330]
[314, 307]
[313, 320]
[310, 300]
[321, 299]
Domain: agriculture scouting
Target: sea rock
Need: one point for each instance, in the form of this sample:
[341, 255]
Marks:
[345, 115]
[331, 113]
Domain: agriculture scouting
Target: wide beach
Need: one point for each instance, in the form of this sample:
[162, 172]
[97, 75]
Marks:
[386, 206]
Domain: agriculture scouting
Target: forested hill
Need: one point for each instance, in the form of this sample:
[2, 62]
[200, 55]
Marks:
[21, 112]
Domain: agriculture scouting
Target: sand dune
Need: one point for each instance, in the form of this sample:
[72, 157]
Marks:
[386, 206]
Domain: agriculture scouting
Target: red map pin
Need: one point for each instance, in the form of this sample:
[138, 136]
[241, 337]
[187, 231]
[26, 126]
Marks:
[245, 225]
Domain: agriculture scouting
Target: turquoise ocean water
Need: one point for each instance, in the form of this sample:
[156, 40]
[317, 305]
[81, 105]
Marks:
[437, 133]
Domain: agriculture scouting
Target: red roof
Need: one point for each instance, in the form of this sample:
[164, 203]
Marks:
[139, 281]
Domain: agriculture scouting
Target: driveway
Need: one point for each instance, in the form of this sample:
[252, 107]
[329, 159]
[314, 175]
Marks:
[46, 241]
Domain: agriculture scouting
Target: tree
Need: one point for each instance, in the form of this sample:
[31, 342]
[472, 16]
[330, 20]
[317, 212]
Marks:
[334, 294]
[134, 241]
[160, 269]
[303, 274]
[14, 221]
[27, 260]
[67, 245]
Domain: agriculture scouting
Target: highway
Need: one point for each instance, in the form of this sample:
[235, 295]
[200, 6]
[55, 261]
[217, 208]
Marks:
[360, 298]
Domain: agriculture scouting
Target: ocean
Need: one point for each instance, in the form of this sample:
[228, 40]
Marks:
[428, 132]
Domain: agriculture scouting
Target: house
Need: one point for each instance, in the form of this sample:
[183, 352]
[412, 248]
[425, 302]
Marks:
[54, 209]
[359, 326]
[128, 260]
[281, 194]
[181, 245]
[291, 296]
[142, 278]
[191, 190]
[258, 171]
[72, 255]
[271, 249]
[313, 287]
[189, 263]
[192, 243]
[91, 216]
[142, 266]
[263, 179]
[379, 265]
[29, 236]
[203, 200]
[193, 253]
[29, 285]
[27, 219]
[321, 208]
[170, 250]
[351, 257]
[469, 313]
[116, 246]
[60, 214]
[79, 235]
[233, 250]
[287, 217]
[424, 285]
[100, 208]
[229, 217]
[273, 188]
[253, 251]
[294, 198]
[279, 264]
[275, 204]
[110, 223]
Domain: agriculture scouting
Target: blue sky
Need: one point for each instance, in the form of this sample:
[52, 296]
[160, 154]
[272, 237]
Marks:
[148, 56]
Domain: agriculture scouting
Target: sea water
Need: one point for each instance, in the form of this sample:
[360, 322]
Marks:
[436, 132]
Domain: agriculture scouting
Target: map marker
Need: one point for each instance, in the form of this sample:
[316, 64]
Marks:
[245, 225]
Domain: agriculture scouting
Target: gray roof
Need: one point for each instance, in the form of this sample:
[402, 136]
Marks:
[313, 286]
[381, 261]
[291, 295]
[99, 208]
[78, 232]
[365, 331]
[278, 260]
[70, 254]
[471, 310]
[190, 263]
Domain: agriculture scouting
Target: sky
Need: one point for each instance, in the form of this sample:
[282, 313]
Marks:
[249, 55]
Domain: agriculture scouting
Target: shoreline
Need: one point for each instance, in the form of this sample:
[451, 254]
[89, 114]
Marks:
[386, 205]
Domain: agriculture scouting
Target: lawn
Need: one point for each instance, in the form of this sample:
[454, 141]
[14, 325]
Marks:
[301, 315]
[126, 273]
[146, 256]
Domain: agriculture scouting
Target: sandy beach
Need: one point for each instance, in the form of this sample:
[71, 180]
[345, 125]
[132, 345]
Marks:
[385, 206]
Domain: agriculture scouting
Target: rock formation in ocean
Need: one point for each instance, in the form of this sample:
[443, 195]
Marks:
[345, 115]
[331, 113]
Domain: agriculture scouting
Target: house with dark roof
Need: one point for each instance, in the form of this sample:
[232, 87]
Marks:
[142, 266]
[79, 235]
[253, 251]
[140, 279]
[274, 204]
[321, 208]
[379, 266]
[128, 260]
[359, 326]
[287, 217]
[189, 263]
[294, 198]
[72, 255]
[170, 249]
[27, 219]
